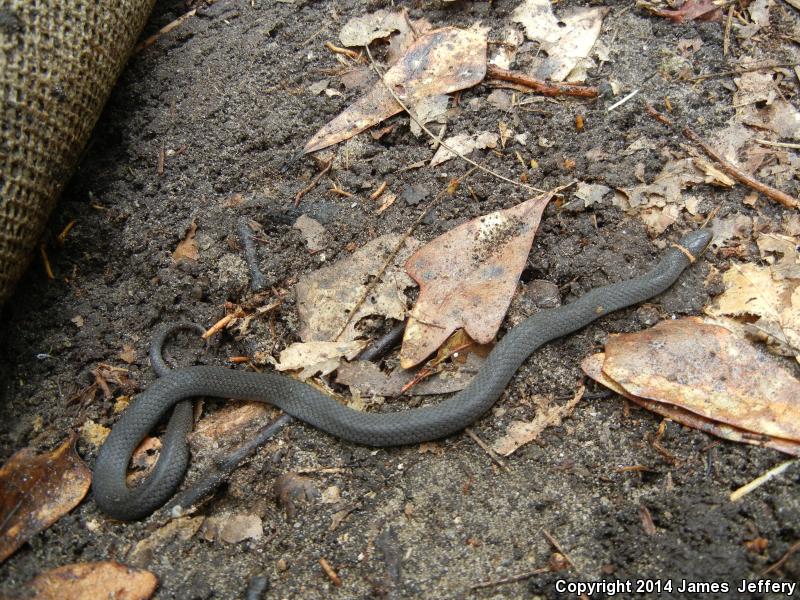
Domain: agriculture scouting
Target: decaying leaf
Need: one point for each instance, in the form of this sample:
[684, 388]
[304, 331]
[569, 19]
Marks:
[317, 357]
[187, 247]
[327, 297]
[593, 367]
[38, 489]
[770, 294]
[566, 40]
[229, 421]
[313, 232]
[90, 581]
[233, 528]
[367, 379]
[464, 143]
[708, 370]
[362, 31]
[440, 62]
[427, 110]
[692, 10]
[548, 415]
[467, 277]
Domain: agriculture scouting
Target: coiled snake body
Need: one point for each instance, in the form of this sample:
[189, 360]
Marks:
[115, 498]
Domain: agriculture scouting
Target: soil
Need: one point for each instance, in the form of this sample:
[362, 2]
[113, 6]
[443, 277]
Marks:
[226, 95]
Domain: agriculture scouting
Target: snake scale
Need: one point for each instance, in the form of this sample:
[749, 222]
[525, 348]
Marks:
[307, 404]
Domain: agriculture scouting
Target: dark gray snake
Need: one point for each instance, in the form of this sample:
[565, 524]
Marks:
[302, 401]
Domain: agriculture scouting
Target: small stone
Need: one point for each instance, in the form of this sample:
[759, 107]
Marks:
[282, 565]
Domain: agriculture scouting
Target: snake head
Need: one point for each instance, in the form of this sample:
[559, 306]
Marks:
[696, 242]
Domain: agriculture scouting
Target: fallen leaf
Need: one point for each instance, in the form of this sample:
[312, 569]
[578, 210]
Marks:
[362, 31]
[691, 10]
[94, 433]
[464, 144]
[565, 40]
[327, 297]
[520, 433]
[467, 277]
[90, 581]
[313, 232]
[36, 490]
[733, 227]
[439, 62]
[708, 370]
[367, 378]
[782, 252]
[128, 354]
[764, 292]
[187, 247]
[429, 109]
[317, 357]
[593, 367]
[291, 490]
[504, 52]
[214, 430]
[233, 528]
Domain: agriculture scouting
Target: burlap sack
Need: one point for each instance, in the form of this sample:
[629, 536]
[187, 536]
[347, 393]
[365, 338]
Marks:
[58, 62]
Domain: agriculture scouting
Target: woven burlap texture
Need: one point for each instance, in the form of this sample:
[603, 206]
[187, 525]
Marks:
[59, 60]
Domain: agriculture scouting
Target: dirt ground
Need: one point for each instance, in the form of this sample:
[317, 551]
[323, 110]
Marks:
[228, 92]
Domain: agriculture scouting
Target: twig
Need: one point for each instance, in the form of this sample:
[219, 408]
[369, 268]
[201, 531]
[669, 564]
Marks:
[257, 282]
[740, 493]
[744, 70]
[512, 579]
[47, 268]
[165, 29]
[299, 195]
[492, 454]
[219, 472]
[769, 191]
[437, 138]
[541, 87]
[777, 144]
[622, 101]
[777, 565]
[726, 39]
[558, 547]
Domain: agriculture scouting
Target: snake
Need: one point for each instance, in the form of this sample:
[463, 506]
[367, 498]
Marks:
[175, 388]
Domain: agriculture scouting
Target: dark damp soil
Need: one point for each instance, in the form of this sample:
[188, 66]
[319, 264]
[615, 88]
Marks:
[226, 96]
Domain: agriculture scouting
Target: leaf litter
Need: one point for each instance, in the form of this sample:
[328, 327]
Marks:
[704, 375]
[467, 277]
[36, 490]
[90, 581]
[440, 62]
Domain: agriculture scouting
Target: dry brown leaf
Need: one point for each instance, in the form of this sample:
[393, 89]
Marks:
[763, 292]
[128, 353]
[463, 144]
[362, 31]
[313, 232]
[467, 277]
[317, 357]
[593, 367]
[36, 490]
[692, 10]
[566, 40]
[520, 433]
[233, 528]
[327, 297]
[228, 422]
[187, 247]
[90, 581]
[440, 62]
[708, 370]
[367, 379]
